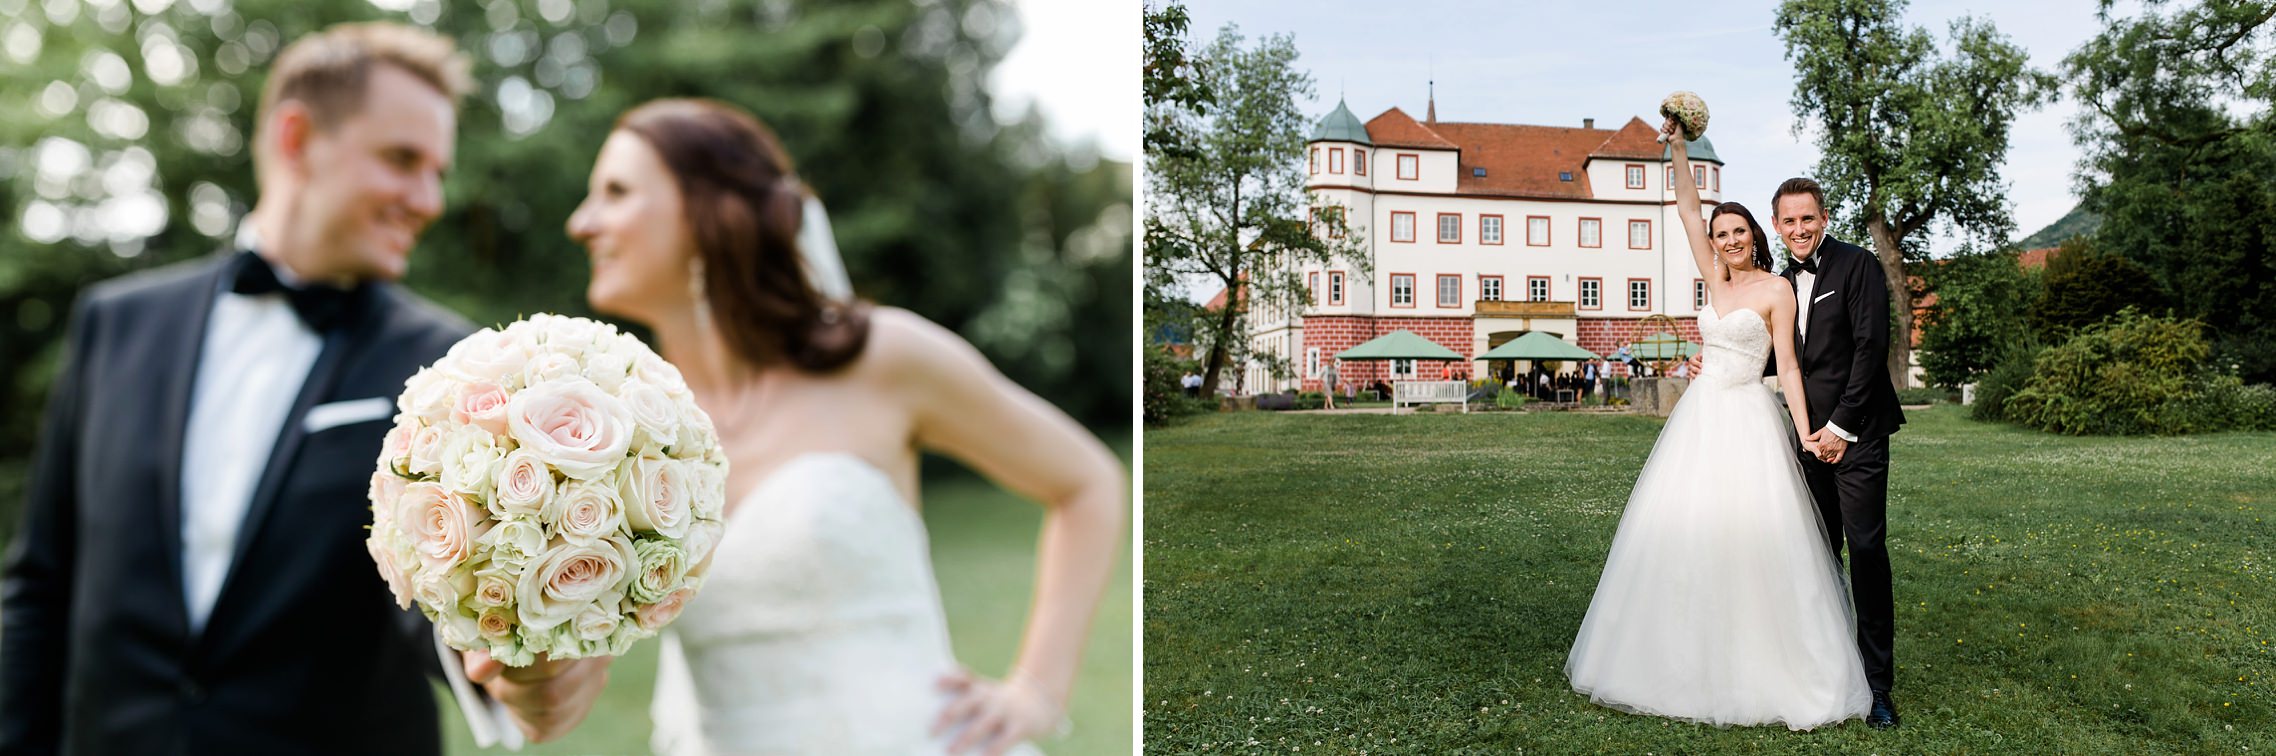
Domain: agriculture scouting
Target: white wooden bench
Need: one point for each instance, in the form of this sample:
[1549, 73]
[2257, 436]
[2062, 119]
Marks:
[1430, 392]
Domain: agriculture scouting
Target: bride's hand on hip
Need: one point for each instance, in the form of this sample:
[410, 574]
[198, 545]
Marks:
[995, 714]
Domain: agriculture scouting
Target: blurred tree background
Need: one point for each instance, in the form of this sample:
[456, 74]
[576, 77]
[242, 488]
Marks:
[126, 148]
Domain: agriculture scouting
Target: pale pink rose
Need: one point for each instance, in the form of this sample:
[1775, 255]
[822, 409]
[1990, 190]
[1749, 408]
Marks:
[488, 356]
[493, 588]
[606, 369]
[384, 556]
[386, 487]
[397, 445]
[440, 524]
[567, 578]
[524, 485]
[442, 590]
[482, 405]
[573, 425]
[589, 511]
[426, 454]
[707, 480]
[656, 496]
[702, 538]
[495, 623]
[654, 617]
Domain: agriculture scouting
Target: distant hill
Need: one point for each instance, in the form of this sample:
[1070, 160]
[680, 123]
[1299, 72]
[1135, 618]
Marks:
[2077, 222]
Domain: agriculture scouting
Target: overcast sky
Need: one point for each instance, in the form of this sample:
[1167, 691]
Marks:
[1077, 61]
[1554, 63]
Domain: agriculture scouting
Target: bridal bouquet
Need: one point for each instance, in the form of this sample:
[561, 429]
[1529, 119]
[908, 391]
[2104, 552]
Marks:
[548, 488]
[1689, 112]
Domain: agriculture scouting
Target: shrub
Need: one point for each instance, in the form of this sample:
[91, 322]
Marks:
[1509, 400]
[1923, 395]
[2006, 376]
[2127, 375]
[1311, 400]
[1162, 396]
[2228, 403]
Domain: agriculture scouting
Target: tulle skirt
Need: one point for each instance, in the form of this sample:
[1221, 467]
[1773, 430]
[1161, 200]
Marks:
[1719, 601]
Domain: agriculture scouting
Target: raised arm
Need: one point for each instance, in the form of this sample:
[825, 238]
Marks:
[965, 408]
[1687, 207]
[1782, 311]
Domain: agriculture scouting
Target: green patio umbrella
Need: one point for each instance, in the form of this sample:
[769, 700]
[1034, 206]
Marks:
[1399, 345]
[1538, 346]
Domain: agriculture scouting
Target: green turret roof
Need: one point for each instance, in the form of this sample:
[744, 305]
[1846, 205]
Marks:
[1702, 149]
[1341, 126]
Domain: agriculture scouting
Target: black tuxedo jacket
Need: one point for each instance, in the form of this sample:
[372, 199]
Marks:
[305, 651]
[1845, 354]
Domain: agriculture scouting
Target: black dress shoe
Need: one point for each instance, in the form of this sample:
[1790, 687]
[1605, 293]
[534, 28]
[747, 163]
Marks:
[1884, 713]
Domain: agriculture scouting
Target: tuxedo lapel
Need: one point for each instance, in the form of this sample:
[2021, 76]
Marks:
[174, 391]
[339, 346]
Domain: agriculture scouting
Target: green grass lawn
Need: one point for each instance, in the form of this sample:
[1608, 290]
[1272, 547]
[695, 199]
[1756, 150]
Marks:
[983, 542]
[1411, 584]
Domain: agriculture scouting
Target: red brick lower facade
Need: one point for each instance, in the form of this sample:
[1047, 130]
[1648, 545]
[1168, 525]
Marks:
[1333, 334]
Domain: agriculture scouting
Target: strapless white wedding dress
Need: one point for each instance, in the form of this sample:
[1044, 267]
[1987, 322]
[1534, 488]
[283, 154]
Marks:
[1719, 601]
[818, 629]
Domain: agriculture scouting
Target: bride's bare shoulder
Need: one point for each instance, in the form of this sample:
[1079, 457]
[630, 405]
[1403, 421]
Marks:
[903, 345]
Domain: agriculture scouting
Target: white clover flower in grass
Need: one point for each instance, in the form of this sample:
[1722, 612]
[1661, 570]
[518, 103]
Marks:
[1689, 112]
[547, 488]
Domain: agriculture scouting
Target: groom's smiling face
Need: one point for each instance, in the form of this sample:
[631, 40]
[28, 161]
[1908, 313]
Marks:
[1801, 222]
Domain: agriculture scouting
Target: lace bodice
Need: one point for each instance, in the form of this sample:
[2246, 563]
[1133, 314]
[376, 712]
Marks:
[818, 628]
[1736, 347]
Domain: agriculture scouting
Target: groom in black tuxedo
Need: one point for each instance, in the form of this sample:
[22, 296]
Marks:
[1842, 324]
[190, 576]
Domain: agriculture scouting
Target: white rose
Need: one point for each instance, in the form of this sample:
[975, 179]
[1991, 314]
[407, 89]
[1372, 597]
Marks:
[573, 425]
[652, 410]
[548, 367]
[656, 496]
[396, 447]
[382, 550]
[702, 538]
[656, 372]
[514, 542]
[569, 335]
[470, 461]
[598, 621]
[708, 483]
[524, 485]
[589, 511]
[606, 369]
[442, 590]
[696, 436]
[427, 395]
[569, 576]
[426, 454]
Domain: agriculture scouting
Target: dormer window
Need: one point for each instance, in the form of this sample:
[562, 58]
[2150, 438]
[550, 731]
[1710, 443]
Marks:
[1564, 175]
[1477, 173]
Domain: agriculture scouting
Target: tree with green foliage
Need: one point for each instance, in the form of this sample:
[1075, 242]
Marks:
[2178, 159]
[1168, 79]
[127, 149]
[1982, 301]
[1233, 209]
[1911, 136]
[2084, 285]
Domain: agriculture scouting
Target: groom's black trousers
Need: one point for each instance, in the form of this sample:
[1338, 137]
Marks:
[1853, 500]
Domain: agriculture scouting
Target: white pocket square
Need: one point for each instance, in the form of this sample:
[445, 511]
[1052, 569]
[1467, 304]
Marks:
[1822, 297]
[336, 414]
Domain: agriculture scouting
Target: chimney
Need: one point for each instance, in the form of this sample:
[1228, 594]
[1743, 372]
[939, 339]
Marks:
[1588, 123]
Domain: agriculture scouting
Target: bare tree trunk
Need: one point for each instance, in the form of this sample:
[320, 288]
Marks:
[1227, 320]
[1886, 247]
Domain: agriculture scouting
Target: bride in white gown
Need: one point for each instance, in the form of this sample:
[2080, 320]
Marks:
[819, 626]
[1719, 602]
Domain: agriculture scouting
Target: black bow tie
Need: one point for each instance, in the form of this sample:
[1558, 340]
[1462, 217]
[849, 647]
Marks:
[321, 307]
[1809, 266]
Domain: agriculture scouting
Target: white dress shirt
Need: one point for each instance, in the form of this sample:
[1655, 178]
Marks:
[1805, 286]
[256, 355]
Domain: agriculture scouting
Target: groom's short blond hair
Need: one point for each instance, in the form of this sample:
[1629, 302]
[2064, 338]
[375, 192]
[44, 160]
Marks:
[328, 71]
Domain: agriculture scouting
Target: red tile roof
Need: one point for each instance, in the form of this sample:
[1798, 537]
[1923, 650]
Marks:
[1520, 160]
[2037, 258]
[1394, 128]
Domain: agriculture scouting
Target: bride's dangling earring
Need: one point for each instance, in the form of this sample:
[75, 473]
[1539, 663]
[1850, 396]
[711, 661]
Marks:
[697, 291]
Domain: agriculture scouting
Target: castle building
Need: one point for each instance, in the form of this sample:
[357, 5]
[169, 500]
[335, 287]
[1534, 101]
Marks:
[1482, 232]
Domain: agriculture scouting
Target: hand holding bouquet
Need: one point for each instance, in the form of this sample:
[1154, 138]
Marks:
[548, 488]
[1688, 112]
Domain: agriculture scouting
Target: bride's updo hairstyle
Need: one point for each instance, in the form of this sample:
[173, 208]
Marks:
[744, 204]
[1754, 229]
